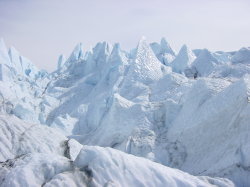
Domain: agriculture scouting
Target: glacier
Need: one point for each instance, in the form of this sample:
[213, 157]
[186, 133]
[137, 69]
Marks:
[108, 117]
[37, 155]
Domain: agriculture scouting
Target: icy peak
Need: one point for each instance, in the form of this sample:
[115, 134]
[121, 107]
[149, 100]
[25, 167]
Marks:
[101, 50]
[166, 48]
[61, 61]
[14, 55]
[205, 62]
[162, 48]
[183, 60]
[2, 45]
[4, 57]
[146, 66]
[116, 56]
[163, 51]
[116, 50]
[206, 54]
[184, 48]
[143, 51]
[77, 53]
[17, 64]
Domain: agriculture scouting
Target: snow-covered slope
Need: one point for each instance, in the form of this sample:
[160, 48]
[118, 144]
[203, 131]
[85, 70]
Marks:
[36, 155]
[135, 171]
[190, 112]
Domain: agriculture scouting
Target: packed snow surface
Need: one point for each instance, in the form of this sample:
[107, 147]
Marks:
[92, 120]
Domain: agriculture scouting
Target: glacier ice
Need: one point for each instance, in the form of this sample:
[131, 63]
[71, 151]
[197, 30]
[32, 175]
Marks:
[134, 171]
[205, 63]
[183, 60]
[242, 56]
[163, 51]
[36, 155]
[61, 61]
[4, 57]
[188, 111]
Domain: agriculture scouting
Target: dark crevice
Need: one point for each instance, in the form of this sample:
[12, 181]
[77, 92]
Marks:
[10, 163]
[87, 171]
[114, 145]
[67, 149]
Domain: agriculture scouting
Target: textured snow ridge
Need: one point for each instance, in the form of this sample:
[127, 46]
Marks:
[109, 167]
[36, 155]
[188, 111]
[19, 138]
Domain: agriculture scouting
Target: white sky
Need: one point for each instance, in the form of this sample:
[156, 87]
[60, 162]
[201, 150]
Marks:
[43, 29]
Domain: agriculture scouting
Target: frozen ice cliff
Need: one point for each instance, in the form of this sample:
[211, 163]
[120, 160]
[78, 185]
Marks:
[92, 120]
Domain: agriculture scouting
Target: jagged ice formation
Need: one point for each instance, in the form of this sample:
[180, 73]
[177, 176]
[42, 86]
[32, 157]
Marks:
[188, 111]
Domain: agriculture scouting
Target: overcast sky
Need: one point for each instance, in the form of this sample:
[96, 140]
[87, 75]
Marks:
[43, 29]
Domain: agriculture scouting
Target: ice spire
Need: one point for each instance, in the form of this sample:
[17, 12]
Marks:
[117, 56]
[205, 63]
[4, 56]
[77, 53]
[163, 51]
[61, 61]
[101, 51]
[14, 56]
[166, 48]
[183, 60]
[146, 66]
